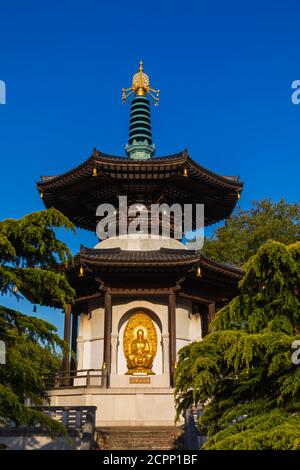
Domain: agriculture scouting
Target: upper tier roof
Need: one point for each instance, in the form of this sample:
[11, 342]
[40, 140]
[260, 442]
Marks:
[171, 179]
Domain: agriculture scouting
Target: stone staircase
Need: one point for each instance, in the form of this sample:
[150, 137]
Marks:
[139, 438]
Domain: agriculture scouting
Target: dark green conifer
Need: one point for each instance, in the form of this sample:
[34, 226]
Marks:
[243, 370]
[31, 260]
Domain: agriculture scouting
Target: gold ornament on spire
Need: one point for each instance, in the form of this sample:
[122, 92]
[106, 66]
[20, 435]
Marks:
[141, 86]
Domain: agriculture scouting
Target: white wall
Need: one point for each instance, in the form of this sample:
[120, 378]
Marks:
[91, 331]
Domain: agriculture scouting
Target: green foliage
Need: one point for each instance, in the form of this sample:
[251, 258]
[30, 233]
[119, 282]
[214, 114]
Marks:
[31, 259]
[243, 371]
[247, 230]
[31, 358]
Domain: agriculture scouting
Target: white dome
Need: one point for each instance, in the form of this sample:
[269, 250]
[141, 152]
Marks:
[141, 243]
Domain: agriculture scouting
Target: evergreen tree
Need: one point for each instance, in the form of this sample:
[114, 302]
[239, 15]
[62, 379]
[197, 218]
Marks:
[246, 230]
[243, 370]
[31, 259]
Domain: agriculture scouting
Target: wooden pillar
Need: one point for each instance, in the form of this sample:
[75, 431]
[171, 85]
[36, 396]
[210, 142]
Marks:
[211, 310]
[73, 365]
[172, 333]
[67, 331]
[107, 333]
[204, 321]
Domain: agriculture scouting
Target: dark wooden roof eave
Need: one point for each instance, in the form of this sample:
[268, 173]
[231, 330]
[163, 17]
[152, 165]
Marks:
[120, 166]
[77, 194]
[116, 259]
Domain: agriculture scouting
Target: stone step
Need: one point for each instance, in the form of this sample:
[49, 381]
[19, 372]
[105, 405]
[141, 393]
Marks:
[138, 438]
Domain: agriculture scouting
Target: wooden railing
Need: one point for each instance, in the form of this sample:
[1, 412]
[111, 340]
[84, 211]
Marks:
[79, 378]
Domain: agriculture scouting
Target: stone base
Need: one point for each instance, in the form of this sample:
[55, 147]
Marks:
[139, 438]
[135, 406]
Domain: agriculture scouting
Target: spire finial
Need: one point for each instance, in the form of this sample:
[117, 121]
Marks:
[140, 86]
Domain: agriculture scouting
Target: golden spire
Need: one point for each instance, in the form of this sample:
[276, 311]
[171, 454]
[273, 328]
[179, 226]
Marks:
[140, 86]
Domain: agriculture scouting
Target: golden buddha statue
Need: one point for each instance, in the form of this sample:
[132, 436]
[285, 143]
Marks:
[140, 358]
[140, 344]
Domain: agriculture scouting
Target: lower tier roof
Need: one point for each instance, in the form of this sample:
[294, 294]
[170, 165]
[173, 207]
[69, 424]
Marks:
[112, 258]
[135, 273]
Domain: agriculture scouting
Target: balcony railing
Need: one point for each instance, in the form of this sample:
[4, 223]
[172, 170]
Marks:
[79, 378]
[79, 422]
[71, 417]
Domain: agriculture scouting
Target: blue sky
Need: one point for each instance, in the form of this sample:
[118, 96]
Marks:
[224, 69]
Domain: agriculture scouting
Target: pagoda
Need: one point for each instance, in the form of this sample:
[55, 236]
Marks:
[139, 299]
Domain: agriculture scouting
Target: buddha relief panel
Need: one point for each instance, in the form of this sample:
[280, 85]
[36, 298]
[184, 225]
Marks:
[140, 344]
